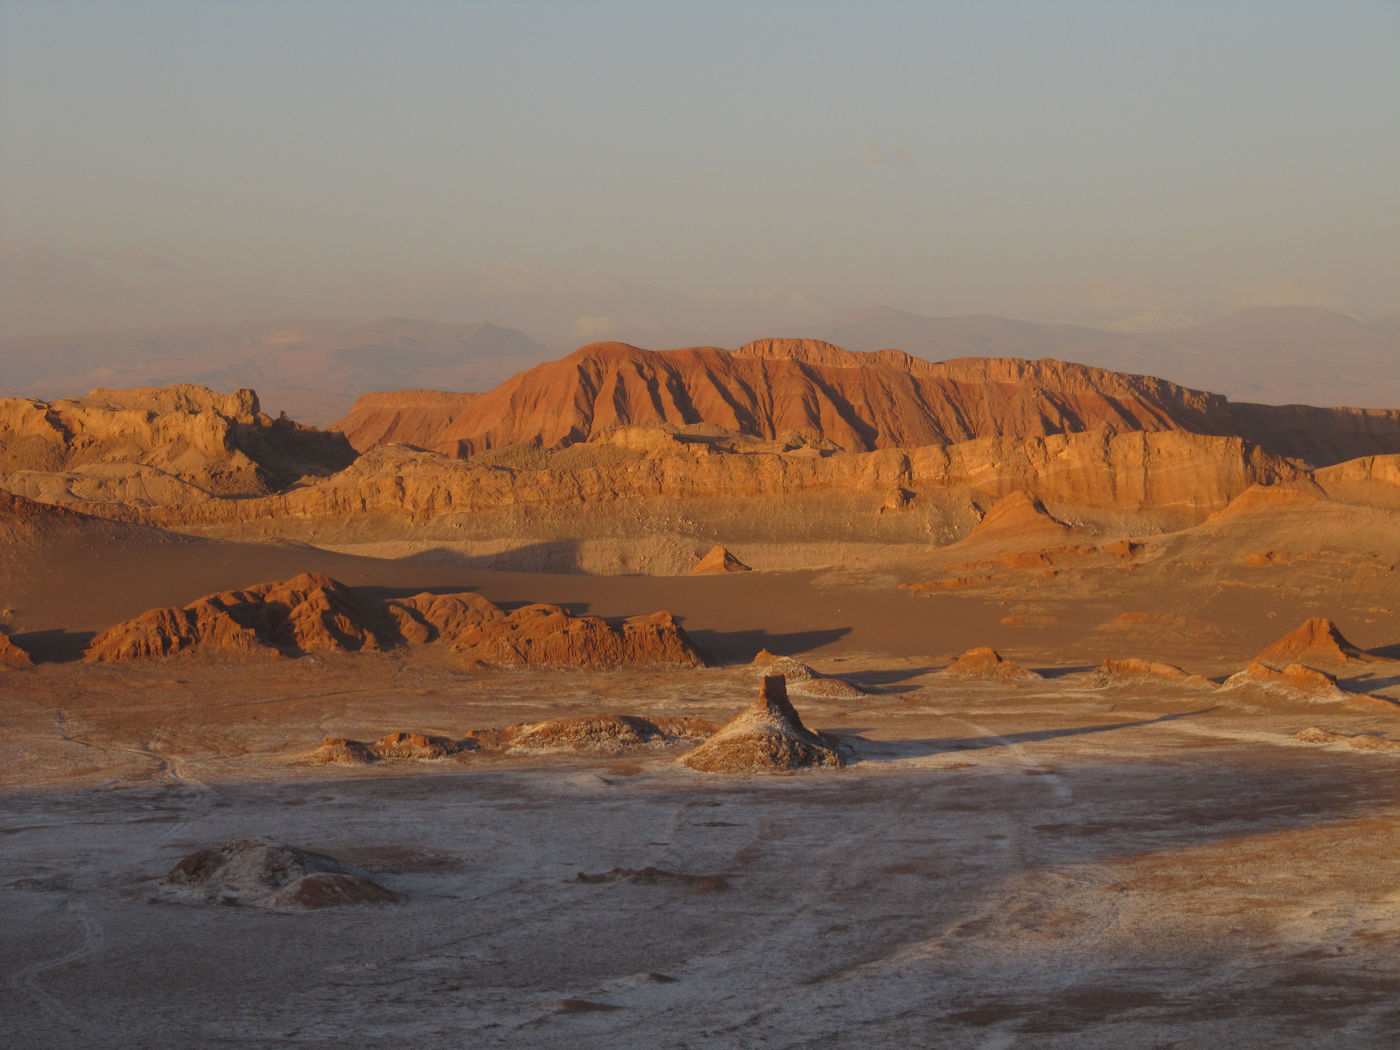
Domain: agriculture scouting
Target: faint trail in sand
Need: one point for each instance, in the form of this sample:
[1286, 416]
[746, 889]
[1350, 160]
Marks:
[27, 980]
[175, 769]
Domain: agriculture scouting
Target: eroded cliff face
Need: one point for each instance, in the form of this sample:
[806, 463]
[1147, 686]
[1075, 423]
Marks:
[855, 401]
[781, 441]
[801, 390]
[1184, 477]
[156, 447]
[403, 417]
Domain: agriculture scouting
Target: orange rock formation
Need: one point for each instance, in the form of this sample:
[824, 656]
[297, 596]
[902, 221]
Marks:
[406, 417]
[985, 662]
[859, 401]
[12, 657]
[1317, 642]
[717, 562]
[313, 613]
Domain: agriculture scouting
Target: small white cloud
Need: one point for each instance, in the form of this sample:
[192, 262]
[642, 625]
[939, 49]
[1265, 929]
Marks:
[893, 154]
[902, 155]
[871, 155]
[590, 326]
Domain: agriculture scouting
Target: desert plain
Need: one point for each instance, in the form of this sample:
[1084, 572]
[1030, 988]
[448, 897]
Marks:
[1101, 674]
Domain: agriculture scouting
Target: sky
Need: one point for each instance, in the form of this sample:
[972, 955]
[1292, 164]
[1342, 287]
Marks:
[579, 167]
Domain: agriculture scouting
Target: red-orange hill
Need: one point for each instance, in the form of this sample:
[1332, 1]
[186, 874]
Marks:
[859, 401]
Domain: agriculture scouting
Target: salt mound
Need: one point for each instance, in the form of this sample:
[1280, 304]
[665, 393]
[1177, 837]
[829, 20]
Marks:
[1317, 641]
[268, 874]
[1111, 671]
[12, 657]
[1294, 682]
[767, 737]
[400, 747]
[332, 890]
[718, 561]
[606, 732]
[414, 746]
[804, 680]
[1363, 742]
[986, 662]
[338, 751]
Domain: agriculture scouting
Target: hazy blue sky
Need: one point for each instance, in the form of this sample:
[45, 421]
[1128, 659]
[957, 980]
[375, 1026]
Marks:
[540, 164]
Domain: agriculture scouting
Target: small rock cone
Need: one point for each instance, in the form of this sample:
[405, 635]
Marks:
[719, 560]
[1316, 643]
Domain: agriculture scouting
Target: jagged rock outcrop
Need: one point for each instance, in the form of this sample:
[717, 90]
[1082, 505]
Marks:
[1316, 643]
[767, 737]
[12, 657]
[314, 613]
[157, 446]
[263, 873]
[857, 401]
[540, 634]
[717, 562]
[403, 417]
[986, 662]
[306, 614]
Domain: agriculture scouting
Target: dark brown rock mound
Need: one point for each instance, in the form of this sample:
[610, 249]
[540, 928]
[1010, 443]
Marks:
[767, 737]
[263, 873]
[1316, 643]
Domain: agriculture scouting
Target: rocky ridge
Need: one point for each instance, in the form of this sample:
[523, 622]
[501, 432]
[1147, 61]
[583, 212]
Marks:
[313, 613]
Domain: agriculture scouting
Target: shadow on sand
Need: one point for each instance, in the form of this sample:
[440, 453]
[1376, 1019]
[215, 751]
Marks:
[56, 646]
[740, 647]
[887, 750]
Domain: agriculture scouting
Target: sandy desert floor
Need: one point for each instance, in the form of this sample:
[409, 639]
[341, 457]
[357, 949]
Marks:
[1045, 863]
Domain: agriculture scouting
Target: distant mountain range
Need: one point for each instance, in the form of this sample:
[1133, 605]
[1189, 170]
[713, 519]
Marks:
[314, 370]
[1273, 355]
